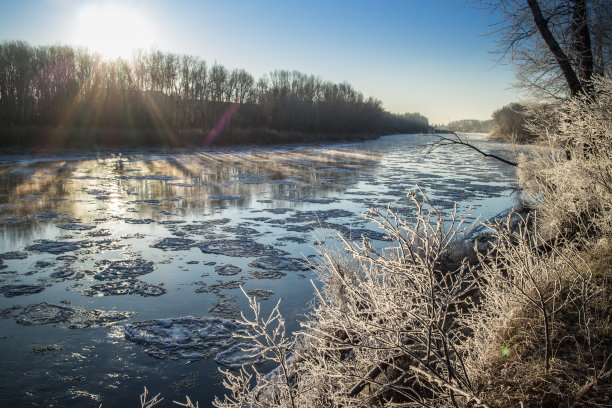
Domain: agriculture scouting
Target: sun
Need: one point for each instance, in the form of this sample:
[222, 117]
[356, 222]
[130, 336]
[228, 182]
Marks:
[112, 30]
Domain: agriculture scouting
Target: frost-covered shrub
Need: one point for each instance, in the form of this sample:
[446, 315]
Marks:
[406, 326]
[532, 339]
[384, 328]
[571, 185]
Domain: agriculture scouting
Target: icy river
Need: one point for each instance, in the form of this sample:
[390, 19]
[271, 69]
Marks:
[119, 271]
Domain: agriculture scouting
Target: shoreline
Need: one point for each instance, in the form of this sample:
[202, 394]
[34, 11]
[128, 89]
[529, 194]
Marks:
[18, 140]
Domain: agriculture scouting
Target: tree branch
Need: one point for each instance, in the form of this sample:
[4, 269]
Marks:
[444, 141]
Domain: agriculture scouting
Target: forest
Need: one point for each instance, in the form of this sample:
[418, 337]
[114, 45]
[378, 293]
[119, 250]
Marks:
[161, 93]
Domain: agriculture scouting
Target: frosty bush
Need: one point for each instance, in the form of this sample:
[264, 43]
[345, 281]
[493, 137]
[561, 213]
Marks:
[384, 328]
[571, 185]
[532, 330]
[406, 326]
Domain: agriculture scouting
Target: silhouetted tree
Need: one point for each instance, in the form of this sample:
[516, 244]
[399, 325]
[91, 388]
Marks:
[556, 45]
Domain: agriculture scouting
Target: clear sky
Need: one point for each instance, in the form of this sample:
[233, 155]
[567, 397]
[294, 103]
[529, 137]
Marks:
[431, 57]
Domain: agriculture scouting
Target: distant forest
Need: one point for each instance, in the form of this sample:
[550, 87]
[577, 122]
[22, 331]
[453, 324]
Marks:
[470, 125]
[72, 88]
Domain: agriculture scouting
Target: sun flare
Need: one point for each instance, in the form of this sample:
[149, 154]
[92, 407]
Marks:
[113, 31]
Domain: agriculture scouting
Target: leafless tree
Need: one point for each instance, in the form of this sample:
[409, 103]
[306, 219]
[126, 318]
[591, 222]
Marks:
[556, 45]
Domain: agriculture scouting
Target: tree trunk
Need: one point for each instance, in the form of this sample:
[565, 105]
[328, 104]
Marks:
[562, 59]
[582, 44]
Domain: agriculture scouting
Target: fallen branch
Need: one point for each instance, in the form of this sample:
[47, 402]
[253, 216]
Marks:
[445, 141]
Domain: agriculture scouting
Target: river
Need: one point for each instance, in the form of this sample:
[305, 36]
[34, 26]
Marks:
[104, 255]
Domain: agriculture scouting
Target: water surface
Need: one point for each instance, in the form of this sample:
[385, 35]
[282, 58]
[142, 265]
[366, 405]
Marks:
[94, 244]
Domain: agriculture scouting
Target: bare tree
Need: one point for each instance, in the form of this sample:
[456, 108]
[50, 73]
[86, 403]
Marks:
[556, 45]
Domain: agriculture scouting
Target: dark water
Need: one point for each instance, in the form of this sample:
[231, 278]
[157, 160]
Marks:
[94, 243]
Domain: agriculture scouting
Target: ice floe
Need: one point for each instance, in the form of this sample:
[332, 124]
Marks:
[125, 287]
[67, 273]
[126, 268]
[175, 244]
[76, 227]
[260, 294]
[45, 349]
[219, 286]
[189, 339]
[228, 269]
[58, 247]
[276, 263]
[156, 177]
[267, 274]
[20, 289]
[64, 316]
[138, 221]
[225, 308]
[239, 248]
[220, 197]
[14, 255]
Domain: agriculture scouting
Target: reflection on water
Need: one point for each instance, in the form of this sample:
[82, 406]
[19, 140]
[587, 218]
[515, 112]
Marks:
[161, 186]
[95, 243]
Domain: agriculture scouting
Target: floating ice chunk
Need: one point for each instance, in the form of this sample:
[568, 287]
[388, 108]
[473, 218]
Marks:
[67, 273]
[322, 200]
[171, 222]
[123, 269]
[99, 233]
[260, 294]
[14, 255]
[276, 263]
[228, 269]
[67, 258]
[58, 247]
[66, 316]
[219, 286]
[183, 184]
[76, 227]
[221, 197]
[225, 308]
[192, 356]
[267, 274]
[251, 178]
[175, 244]
[138, 221]
[242, 231]
[239, 248]
[126, 287]
[185, 338]
[23, 171]
[9, 220]
[21, 289]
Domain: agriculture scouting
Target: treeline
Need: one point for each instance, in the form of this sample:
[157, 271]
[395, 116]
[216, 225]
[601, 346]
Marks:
[510, 122]
[470, 126]
[62, 86]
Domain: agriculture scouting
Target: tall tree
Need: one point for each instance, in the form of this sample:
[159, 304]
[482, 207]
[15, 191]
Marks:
[556, 45]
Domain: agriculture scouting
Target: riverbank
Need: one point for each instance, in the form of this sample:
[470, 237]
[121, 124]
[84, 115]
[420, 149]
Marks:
[32, 137]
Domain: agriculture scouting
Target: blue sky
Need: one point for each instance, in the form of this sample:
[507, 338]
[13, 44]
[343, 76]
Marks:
[421, 56]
